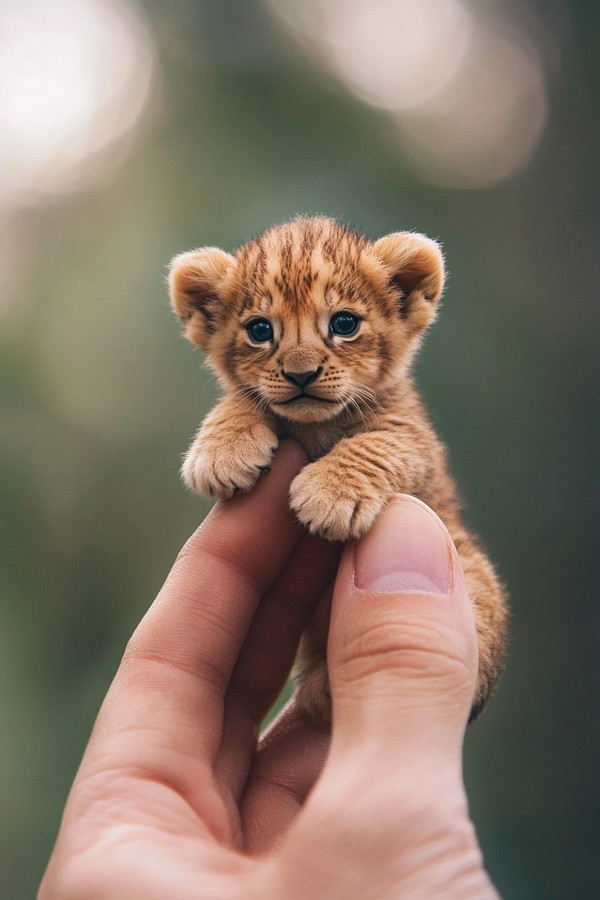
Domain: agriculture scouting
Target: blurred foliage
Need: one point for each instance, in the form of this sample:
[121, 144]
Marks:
[100, 396]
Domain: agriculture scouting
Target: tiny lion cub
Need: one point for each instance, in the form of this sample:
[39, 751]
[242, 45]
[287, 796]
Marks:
[312, 330]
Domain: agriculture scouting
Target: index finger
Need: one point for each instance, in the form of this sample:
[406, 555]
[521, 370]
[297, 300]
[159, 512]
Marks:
[166, 702]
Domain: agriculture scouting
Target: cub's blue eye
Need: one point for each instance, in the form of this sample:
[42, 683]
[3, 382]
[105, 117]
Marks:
[343, 323]
[260, 331]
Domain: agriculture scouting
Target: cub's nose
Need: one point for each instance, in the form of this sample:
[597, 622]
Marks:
[301, 379]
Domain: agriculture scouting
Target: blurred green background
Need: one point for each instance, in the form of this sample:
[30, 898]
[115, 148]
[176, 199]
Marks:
[132, 132]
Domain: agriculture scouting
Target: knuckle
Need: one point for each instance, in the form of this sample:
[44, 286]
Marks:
[426, 650]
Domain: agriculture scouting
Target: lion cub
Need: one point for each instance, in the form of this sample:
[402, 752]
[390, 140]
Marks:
[312, 330]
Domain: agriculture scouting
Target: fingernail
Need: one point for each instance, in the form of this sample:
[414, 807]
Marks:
[406, 550]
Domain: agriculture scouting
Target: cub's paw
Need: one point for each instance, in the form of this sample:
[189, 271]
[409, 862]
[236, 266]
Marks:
[334, 503]
[313, 693]
[217, 467]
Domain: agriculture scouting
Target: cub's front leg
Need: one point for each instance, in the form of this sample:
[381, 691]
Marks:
[233, 445]
[340, 495]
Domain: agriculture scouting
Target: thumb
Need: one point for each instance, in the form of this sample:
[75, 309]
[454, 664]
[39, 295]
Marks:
[402, 646]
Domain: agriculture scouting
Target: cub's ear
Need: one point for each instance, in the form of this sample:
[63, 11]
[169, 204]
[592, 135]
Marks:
[196, 283]
[415, 268]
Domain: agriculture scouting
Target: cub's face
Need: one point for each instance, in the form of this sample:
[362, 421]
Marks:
[310, 319]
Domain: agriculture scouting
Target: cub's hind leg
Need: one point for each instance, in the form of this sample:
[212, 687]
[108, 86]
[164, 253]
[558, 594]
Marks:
[490, 608]
[310, 668]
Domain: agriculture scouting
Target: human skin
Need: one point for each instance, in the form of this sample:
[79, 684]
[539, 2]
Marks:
[177, 794]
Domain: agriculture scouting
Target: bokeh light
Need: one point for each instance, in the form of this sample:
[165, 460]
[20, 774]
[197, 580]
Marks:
[465, 85]
[74, 77]
[394, 54]
[486, 125]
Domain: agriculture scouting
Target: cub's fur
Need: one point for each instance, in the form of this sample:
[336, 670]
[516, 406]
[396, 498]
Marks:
[311, 330]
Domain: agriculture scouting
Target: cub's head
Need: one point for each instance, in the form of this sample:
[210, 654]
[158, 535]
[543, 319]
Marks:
[310, 319]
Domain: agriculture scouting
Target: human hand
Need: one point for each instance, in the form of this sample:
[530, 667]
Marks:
[176, 796]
